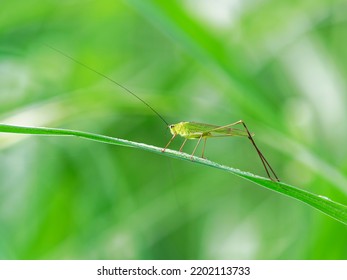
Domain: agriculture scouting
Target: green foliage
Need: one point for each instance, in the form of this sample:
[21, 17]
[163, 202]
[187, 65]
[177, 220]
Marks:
[327, 206]
[277, 65]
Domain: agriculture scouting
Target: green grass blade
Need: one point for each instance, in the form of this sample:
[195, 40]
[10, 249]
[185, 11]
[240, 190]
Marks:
[331, 208]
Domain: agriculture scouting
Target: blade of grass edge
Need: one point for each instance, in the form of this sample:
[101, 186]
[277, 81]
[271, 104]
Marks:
[331, 208]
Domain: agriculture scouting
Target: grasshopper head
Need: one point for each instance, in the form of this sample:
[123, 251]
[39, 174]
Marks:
[175, 128]
[178, 128]
[172, 128]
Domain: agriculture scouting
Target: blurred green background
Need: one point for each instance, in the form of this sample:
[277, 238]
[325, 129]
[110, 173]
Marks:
[278, 65]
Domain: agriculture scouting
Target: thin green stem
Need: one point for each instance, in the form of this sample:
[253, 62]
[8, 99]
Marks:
[327, 206]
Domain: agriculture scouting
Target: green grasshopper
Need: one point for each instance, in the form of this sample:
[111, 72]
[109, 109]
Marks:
[193, 130]
[199, 131]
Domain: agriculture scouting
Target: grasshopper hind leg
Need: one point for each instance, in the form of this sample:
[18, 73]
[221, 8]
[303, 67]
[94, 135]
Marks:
[267, 166]
[265, 163]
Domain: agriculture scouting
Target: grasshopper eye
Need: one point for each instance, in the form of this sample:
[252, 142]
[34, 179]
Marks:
[171, 126]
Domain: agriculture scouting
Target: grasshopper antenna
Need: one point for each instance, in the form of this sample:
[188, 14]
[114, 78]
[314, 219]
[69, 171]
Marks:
[111, 80]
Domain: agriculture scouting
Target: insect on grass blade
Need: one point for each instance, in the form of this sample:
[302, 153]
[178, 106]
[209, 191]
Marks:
[191, 130]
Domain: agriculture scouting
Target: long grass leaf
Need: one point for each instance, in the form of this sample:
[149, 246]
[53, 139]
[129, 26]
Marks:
[327, 206]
